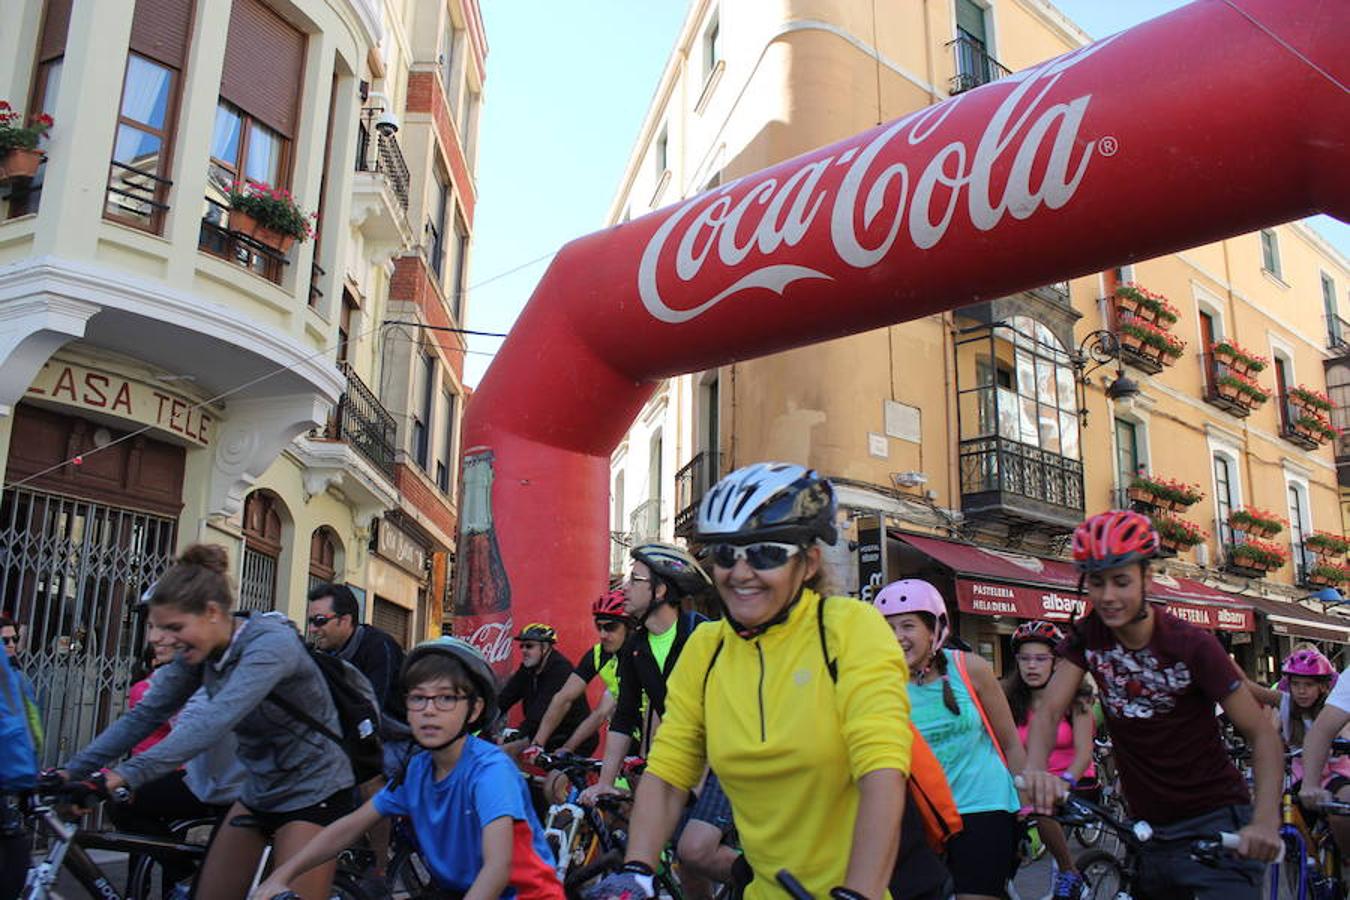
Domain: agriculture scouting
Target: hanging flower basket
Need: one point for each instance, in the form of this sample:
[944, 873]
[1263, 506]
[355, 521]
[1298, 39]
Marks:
[18, 163]
[243, 223]
[1260, 555]
[1311, 400]
[1140, 494]
[1178, 534]
[268, 215]
[1326, 574]
[1325, 544]
[1256, 522]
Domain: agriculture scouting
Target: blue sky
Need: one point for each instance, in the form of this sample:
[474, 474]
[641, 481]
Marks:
[568, 85]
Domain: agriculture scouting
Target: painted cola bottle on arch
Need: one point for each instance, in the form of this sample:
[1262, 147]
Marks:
[482, 602]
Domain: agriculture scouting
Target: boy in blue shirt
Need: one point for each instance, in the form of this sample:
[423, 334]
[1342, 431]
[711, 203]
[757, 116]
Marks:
[469, 805]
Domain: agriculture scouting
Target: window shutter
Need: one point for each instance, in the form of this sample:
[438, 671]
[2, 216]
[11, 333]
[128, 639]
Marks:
[970, 19]
[54, 28]
[264, 66]
[160, 29]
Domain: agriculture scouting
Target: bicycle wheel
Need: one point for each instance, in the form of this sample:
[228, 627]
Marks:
[408, 876]
[1103, 876]
[347, 887]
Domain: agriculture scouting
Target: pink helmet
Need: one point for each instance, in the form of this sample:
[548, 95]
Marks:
[914, 595]
[1308, 663]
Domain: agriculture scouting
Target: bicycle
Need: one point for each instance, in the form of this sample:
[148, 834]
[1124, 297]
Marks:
[1317, 874]
[1110, 878]
[1105, 792]
[584, 842]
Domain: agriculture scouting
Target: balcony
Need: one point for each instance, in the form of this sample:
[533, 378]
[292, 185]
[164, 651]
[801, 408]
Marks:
[691, 483]
[645, 522]
[136, 197]
[974, 65]
[1338, 335]
[1290, 413]
[361, 421]
[217, 239]
[1020, 485]
[1215, 395]
[380, 189]
[619, 542]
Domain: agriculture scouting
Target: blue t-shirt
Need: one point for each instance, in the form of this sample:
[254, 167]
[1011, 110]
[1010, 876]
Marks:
[448, 817]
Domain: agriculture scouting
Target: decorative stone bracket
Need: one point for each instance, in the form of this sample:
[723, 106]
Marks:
[252, 439]
[31, 330]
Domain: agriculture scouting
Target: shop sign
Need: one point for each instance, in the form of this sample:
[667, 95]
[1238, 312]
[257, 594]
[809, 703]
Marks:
[84, 388]
[395, 545]
[871, 557]
[997, 599]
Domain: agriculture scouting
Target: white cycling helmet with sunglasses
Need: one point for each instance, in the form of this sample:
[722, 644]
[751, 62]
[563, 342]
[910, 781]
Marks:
[766, 513]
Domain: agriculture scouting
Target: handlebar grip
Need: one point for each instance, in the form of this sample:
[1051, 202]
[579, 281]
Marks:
[1229, 840]
[794, 887]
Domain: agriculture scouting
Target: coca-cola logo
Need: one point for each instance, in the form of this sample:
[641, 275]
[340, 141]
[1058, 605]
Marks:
[869, 199]
[493, 640]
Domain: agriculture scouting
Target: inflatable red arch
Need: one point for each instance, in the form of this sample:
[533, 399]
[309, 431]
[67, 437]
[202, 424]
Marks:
[1220, 118]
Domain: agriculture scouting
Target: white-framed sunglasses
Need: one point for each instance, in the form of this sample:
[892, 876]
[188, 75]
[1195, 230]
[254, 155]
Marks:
[761, 557]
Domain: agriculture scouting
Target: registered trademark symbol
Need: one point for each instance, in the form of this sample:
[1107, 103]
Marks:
[1108, 146]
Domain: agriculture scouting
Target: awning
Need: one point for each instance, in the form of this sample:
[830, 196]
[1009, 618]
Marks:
[1292, 619]
[994, 582]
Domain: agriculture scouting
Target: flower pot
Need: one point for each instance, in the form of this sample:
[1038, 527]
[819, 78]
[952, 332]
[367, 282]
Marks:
[1132, 341]
[1227, 391]
[1171, 543]
[242, 223]
[1314, 578]
[1177, 505]
[1127, 304]
[1141, 495]
[1224, 356]
[19, 162]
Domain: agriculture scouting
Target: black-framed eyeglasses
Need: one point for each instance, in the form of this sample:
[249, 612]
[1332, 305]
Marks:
[609, 627]
[442, 702]
[761, 557]
[321, 619]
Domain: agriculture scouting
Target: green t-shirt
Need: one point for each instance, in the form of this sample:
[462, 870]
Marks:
[661, 644]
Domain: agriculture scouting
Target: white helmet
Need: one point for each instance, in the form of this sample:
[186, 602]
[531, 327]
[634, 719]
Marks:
[768, 502]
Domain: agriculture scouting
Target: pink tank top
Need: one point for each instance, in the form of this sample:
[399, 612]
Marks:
[1061, 757]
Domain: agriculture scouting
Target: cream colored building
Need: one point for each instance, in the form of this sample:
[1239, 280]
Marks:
[165, 378]
[989, 426]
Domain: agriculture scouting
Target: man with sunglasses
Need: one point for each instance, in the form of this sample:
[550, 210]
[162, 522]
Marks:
[543, 673]
[10, 636]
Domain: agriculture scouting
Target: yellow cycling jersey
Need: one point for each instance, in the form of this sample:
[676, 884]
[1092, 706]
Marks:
[787, 742]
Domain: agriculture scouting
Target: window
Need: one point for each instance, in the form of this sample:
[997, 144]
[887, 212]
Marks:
[468, 128]
[436, 226]
[426, 386]
[973, 65]
[138, 180]
[446, 454]
[448, 60]
[242, 150]
[1128, 458]
[662, 145]
[345, 324]
[323, 556]
[46, 87]
[262, 552]
[712, 45]
[1287, 413]
[458, 272]
[1223, 495]
[1270, 252]
[654, 460]
[1208, 335]
[1335, 327]
[1298, 530]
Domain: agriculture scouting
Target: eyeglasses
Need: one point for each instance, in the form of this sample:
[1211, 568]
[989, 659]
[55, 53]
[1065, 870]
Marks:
[320, 620]
[442, 702]
[609, 627]
[9, 640]
[761, 557]
[1034, 657]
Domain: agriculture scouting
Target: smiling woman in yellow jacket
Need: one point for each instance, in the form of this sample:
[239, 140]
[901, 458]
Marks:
[797, 702]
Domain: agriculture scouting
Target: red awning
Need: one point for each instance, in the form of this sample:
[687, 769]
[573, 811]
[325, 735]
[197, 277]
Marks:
[1289, 618]
[994, 582]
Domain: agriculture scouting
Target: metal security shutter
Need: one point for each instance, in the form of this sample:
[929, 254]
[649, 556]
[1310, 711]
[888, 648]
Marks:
[264, 66]
[392, 619]
[160, 29]
[54, 28]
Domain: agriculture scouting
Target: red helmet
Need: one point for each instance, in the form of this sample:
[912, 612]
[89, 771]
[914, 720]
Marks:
[1044, 632]
[1113, 538]
[610, 606]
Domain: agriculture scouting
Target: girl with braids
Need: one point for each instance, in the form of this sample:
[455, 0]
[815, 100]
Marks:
[957, 705]
[1033, 645]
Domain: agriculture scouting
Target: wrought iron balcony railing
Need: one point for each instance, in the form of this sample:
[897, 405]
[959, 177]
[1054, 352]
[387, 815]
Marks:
[382, 155]
[974, 65]
[218, 239]
[691, 483]
[137, 196]
[362, 421]
[1338, 334]
[1008, 479]
[645, 522]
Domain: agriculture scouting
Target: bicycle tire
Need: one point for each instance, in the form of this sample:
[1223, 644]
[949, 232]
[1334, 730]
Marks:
[407, 873]
[1103, 875]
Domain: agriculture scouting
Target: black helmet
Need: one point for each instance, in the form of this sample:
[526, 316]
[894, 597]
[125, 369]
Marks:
[768, 502]
[474, 662]
[676, 566]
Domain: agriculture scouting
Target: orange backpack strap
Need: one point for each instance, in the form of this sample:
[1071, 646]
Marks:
[930, 794]
[975, 698]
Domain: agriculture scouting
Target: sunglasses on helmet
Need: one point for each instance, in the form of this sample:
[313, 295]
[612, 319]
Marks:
[761, 557]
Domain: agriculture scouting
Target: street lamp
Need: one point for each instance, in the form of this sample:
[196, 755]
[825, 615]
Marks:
[1101, 347]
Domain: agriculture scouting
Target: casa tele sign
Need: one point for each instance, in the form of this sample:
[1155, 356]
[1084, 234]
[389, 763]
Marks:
[993, 599]
[74, 385]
